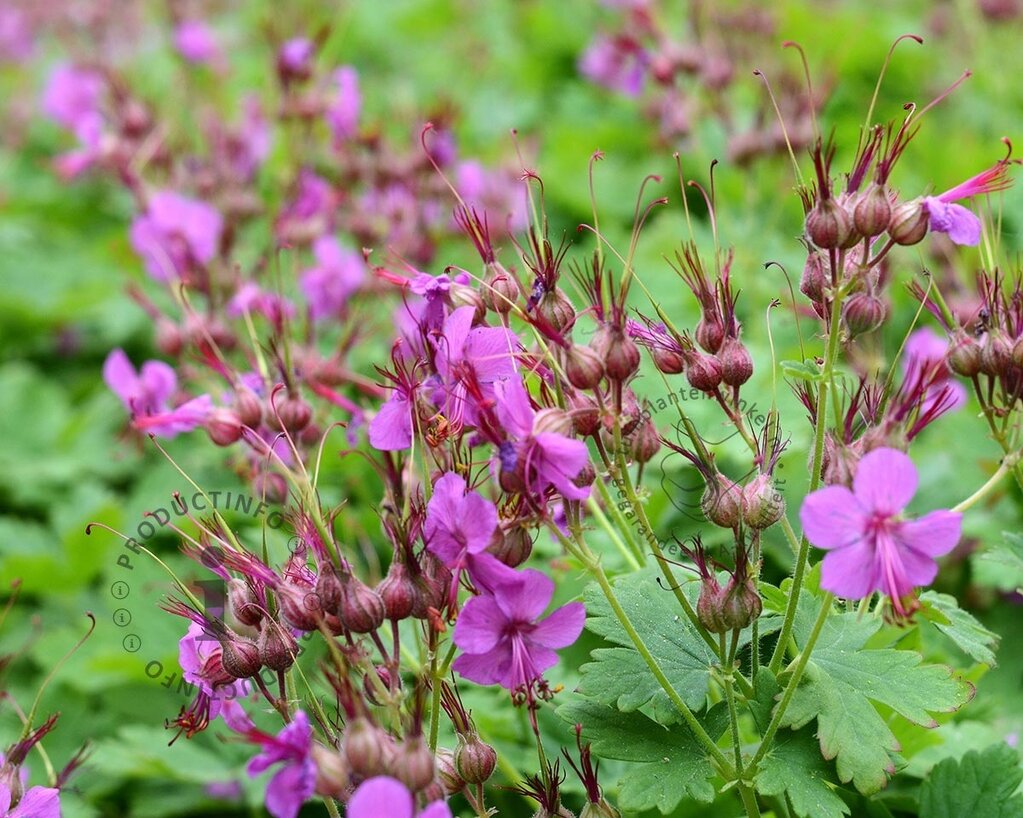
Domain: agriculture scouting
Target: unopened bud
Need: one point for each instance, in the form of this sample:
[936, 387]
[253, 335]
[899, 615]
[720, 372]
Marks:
[762, 503]
[736, 362]
[293, 414]
[398, 591]
[619, 351]
[363, 747]
[248, 407]
[710, 333]
[500, 289]
[513, 547]
[996, 354]
[722, 502]
[362, 610]
[964, 355]
[242, 602]
[873, 211]
[829, 225]
[863, 313]
[909, 223]
[240, 656]
[413, 763]
[223, 427]
[584, 367]
[474, 760]
[277, 647]
[333, 775]
[815, 280]
[644, 443]
[703, 372]
[556, 310]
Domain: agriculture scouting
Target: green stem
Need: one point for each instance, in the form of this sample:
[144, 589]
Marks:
[733, 715]
[790, 688]
[815, 475]
[331, 807]
[749, 800]
[1008, 463]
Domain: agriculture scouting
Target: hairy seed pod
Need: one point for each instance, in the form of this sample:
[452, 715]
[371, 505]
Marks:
[240, 657]
[829, 225]
[248, 407]
[736, 362]
[513, 547]
[277, 647]
[909, 223]
[703, 372]
[223, 427]
[722, 502]
[965, 354]
[863, 313]
[413, 763]
[399, 592]
[242, 602]
[500, 289]
[873, 211]
[996, 354]
[710, 333]
[364, 748]
[557, 310]
[333, 774]
[362, 610]
[475, 761]
[584, 367]
[762, 503]
[446, 772]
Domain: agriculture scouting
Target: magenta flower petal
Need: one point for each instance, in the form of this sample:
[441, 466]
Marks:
[120, 375]
[289, 788]
[885, 481]
[561, 628]
[933, 534]
[832, 517]
[851, 571]
[38, 802]
[487, 571]
[480, 625]
[158, 380]
[513, 407]
[391, 428]
[962, 225]
[527, 597]
[380, 796]
[484, 668]
[438, 809]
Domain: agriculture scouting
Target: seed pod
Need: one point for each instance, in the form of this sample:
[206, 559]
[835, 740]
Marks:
[475, 761]
[399, 592]
[829, 225]
[240, 656]
[223, 427]
[413, 763]
[513, 547]
[815, 280]
[708, 606]
[1017, 351]
[300, 605]
[553, 420]
[333, 774]
[740, 604]
[710, 333]
[599, 809]
[722, 502]
[293, 414]
[248, 407]
[863, 313]
[169, 338]
[996, 354]
[873, 211]
[703, 372]
[271, 486]
[328, 588]
[644, 443]
[964, 355]
[736, 362]
[556, 309]
[500, 289]
[363, 746]
[585, 414]
[463, 295]
[619, 351]
[584, 367]
[277, 647]
[242, 603]
[762, 503]
[362, 610]
[909, 223]
[668, 361]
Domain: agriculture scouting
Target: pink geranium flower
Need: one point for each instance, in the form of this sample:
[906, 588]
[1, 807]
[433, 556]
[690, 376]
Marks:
[383, 795]
[502, 638]
[870, 546]
[38, 802]
[147, 394]
[196, 42]
[295, 781]
[961, 225]
[174, 233]
[338, 273]
[345, 105]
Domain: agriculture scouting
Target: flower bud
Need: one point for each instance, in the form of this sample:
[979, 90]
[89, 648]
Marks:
[474, 761]
[828, 225]
[619, 351]
[388, 682]
[242, 602]
[710, 333]
[584, 367]
[514, 547]
[553, 420]
[333, 775]
[413, 763]
[741, 604]
[328, 588]
[703, 372]
[964, 355]
[762, 503]
[300, 605]
[585, 414]
[362, 610]
[248, 407]
[644, 443]
[240, 656]
[500, 289]
[277, 647]
[873, 211]
[556, 309]
[399, 592]
[223, 427]
[815, 280]
[293, 414]
[863, 313]
[736, 362]
[447, 773]
[909, 223]
[708, 606]
[996, 354]
[364, 748]
[668, 361]
[722, 502]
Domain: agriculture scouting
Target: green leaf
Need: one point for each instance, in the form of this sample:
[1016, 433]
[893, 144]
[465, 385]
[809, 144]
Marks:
[620, 676]
[803, 370]
[960, 626]
[1007, 559]
[980, 785]
[839, 684]
[794, 766]
[670, 765]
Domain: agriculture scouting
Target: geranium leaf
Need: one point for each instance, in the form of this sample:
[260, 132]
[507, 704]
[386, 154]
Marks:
[979, 785]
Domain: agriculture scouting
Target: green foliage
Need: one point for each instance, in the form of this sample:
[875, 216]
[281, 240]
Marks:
[960, 626]
[980, 785]
[669, 765]
[841, 681]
